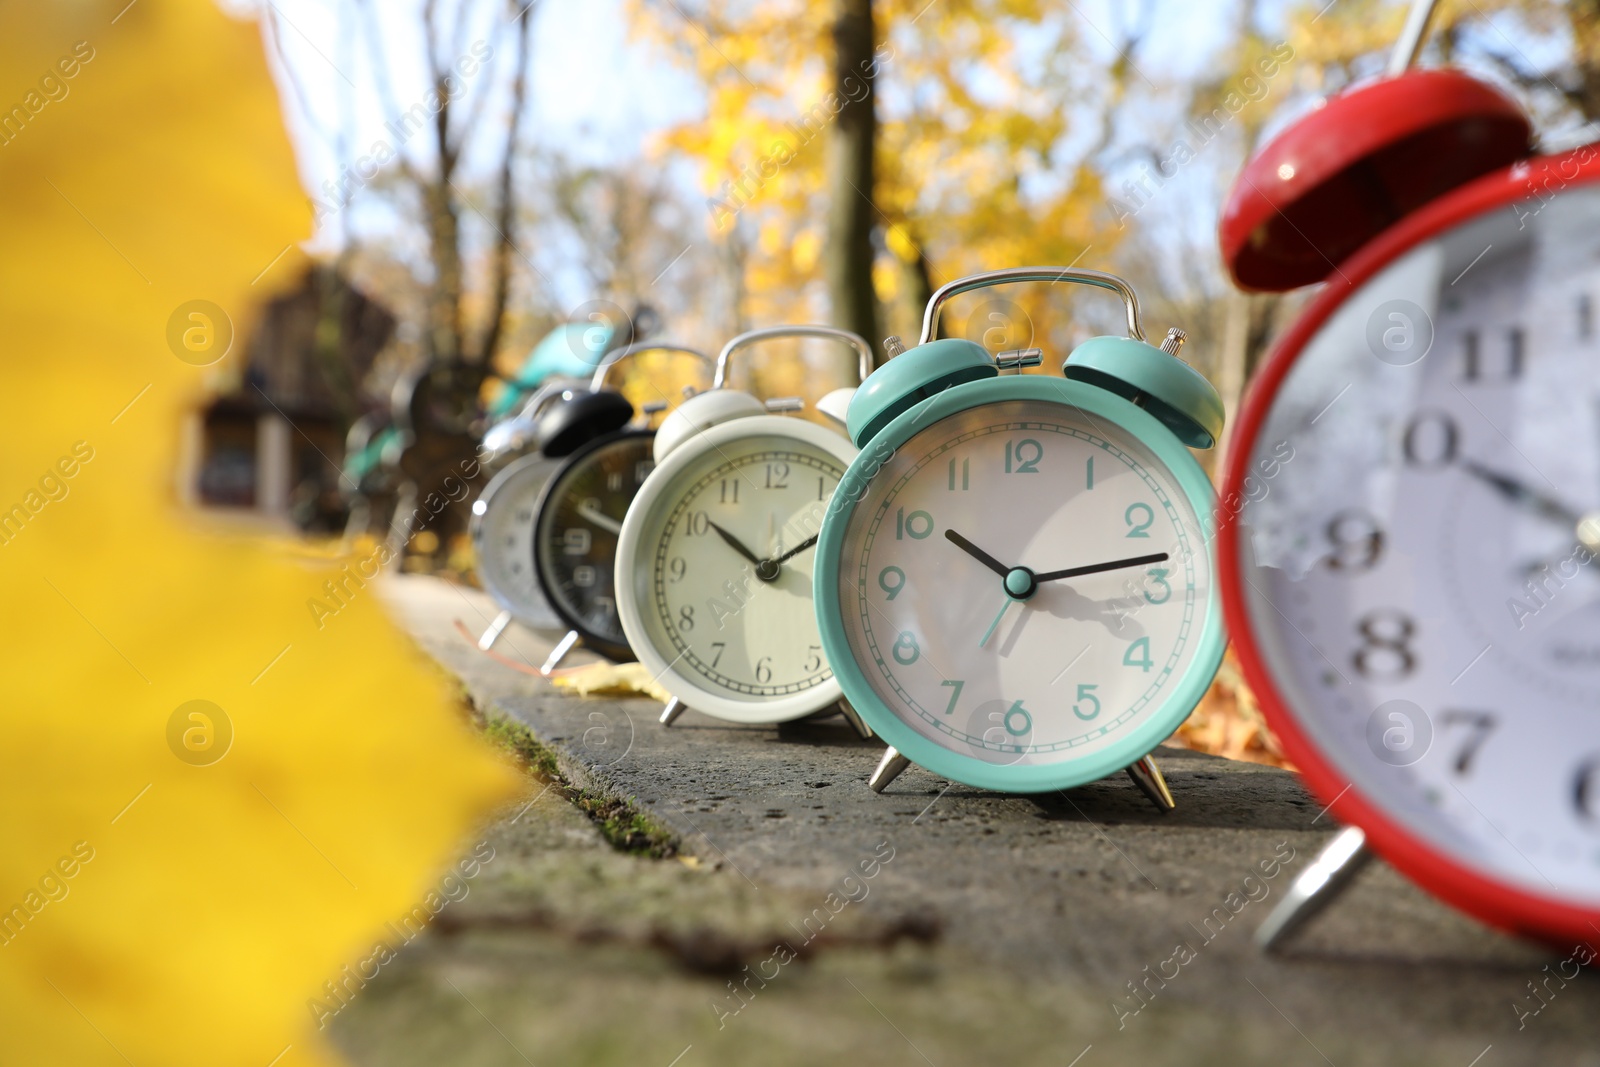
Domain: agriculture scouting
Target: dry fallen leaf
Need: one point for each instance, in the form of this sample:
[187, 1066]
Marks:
[610, 680]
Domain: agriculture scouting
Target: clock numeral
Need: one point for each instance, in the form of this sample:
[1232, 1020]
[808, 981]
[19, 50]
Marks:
[1143, 662]
[576, 541]
[698, 524]
[1584, 789]
[1088, 473]
[641, 470]
[1482, 724]
[583, 577]
[1023, 457]
[1086, 692]
[777, 476]
[1472, 361]
[1357, 541]
[822, 492]
[899, 581]
[1139, 527]
[966, 470]
[764, 670]
[721, 647]
[1385, 653]
[1430, 440]
[524, 516]
[813, 659]
[686, 617]
[955, 685]
[677, 567]
[905, 650]
[908, 524]
[607, 606]
[1017, 721]
[614, 481]
[1159, 576]
[730, 491]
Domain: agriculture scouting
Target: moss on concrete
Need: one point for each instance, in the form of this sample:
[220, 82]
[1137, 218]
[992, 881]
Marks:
[619, 820]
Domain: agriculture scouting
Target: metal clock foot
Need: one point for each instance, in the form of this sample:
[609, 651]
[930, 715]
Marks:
[1148, 777]
[853, 717]
[559, 653]
[1316, 887]
[496, 628]
[670, 713]
[889, 769]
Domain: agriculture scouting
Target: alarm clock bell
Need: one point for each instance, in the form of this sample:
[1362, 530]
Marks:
[1365, 158]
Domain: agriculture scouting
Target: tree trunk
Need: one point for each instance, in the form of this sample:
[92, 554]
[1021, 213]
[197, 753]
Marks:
[916, 279]
[851, 215]
[444, 297]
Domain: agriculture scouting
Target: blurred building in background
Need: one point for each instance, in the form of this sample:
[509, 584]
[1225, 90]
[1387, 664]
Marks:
[273, 441]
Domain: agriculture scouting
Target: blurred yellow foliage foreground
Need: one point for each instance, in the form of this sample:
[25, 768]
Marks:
[210, 807]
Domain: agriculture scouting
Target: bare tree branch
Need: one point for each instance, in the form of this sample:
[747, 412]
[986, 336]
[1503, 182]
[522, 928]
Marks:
[500, 265]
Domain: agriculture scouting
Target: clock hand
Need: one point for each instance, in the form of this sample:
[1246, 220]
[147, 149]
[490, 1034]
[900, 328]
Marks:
[1520, 493]
[1096, 568]
[976, 553]
[797, 549]
[600, 518]
[990, 631]
[735, 544]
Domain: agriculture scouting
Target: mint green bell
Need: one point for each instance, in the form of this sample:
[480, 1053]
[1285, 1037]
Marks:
[910, 378]
[1154, 378]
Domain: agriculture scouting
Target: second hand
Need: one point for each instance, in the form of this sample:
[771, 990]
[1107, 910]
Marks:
[990, 631]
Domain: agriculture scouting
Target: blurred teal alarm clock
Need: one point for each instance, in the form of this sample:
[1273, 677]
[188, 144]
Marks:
[1013, 580]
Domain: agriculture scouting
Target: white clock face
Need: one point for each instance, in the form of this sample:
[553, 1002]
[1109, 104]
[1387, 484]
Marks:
[723, 574]
[1078, 660]
[502, 533]
[1419, 582]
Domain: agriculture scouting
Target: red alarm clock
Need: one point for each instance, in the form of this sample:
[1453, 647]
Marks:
[1411, 506]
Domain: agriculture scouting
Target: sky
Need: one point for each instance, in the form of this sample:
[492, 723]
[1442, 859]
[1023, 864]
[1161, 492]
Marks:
[600, 97]
[597, 95]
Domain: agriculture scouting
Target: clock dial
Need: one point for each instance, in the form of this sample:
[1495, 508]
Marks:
[576, 541]
[1023, 583]
[1421, 578]
[502, 536]
[730, 551]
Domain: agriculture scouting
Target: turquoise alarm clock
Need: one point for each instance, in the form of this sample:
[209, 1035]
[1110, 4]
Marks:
[1013, 580]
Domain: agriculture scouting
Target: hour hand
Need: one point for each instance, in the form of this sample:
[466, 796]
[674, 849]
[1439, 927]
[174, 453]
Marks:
[599, 518]
[1523, 494]
[976, 553]
[737, 545]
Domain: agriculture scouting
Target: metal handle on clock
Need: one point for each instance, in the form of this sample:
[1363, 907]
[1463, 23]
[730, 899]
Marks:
[750, 337]
[611, 359]
[1080, 275]
[547, 392]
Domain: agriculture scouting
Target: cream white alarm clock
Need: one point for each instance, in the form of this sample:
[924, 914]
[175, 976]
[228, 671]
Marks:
[715, 557]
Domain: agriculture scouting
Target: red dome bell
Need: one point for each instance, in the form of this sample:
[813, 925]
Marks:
[1352, 168]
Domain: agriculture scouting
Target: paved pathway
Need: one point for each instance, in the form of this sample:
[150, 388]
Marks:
[992, 929]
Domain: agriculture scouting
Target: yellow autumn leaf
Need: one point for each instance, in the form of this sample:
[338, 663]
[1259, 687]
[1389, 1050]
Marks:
[175, 889]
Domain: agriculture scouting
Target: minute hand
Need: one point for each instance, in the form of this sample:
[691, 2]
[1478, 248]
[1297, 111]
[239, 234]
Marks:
[1096, 568]
[797, 549]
